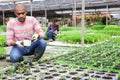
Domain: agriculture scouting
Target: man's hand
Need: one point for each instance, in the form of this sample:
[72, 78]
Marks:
[35, 37]
[57, 32]
[19, 43]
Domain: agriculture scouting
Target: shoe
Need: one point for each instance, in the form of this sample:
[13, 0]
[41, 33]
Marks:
[51, 40]
[38, 55]
[35, 60]
[28, 59]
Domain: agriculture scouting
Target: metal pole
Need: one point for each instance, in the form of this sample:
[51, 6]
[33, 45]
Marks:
[74, 13]
[106, 15]
[31, 6]
[45, 17]
[83, 22]
[3, 17]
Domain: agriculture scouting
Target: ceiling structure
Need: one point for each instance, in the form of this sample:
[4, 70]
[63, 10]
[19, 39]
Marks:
[59, 7]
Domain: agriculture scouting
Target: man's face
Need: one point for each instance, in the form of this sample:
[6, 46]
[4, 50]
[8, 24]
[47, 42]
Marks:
[57, 23]
[21, 14]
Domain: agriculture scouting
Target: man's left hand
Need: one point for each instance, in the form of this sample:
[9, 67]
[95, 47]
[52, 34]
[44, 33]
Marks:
[35, 37]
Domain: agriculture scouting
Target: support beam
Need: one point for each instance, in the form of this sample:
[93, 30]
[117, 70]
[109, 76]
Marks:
[83, 22]
[45, 17]
[106, 14]
[3, 17]
[31, 7]
[74, 13]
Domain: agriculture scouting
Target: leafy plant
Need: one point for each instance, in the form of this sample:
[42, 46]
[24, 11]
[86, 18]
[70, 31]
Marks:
[3, 28]
[3, 40]
[44, 29]
[103, 56]
[75, 37]
[112, 30]
[2, 52]
[69, 28]
[112, 27]
[98, 27]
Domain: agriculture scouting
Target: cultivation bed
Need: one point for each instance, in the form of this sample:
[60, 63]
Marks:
[51, 52]
[4, 63]
[54, 71]
[99, 62]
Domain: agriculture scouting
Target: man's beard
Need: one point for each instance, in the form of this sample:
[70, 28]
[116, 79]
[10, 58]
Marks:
[21, 19]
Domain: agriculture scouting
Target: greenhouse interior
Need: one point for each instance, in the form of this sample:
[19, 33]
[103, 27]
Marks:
[85, 43]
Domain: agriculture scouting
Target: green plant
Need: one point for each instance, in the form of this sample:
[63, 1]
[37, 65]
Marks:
[98, 27]
[112, 27]
[44, 29]
[112, 30]
[3, 40]
[1, 74]
[75, 37]
[104, 56]
[2, 52]
[3, 28]
[69, 28]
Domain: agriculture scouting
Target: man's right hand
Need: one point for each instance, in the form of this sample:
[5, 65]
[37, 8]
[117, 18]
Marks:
[19, 43]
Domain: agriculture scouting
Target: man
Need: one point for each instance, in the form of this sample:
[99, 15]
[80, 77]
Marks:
[53, 30]
[20, 29]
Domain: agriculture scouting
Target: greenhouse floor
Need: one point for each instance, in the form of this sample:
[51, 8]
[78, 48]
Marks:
[46, 70]
[53, 49]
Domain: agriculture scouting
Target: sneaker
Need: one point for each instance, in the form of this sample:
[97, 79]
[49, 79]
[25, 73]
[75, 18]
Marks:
[35, 60]
[37, 55]
[28, 59]
[51, 40]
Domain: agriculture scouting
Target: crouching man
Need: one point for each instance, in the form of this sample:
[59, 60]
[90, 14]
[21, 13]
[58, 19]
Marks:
[20, 33]
[53, 30]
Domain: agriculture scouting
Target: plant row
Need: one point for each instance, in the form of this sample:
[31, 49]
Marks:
[103, 56]
[2, 44]
[75, 37]
[112, 30]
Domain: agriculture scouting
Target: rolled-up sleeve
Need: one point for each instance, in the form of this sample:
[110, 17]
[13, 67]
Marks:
[10, 33]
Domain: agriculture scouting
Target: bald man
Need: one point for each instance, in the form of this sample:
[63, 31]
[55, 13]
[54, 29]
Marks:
[21, 29]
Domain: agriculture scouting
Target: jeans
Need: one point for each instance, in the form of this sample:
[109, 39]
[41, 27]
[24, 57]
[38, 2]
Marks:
[50, 34]
[17, 52]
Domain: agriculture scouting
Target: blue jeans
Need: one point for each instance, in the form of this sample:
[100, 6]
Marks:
[50, 34]
[17, 52]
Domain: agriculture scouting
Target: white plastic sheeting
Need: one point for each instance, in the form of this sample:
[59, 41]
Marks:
[39, 5]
